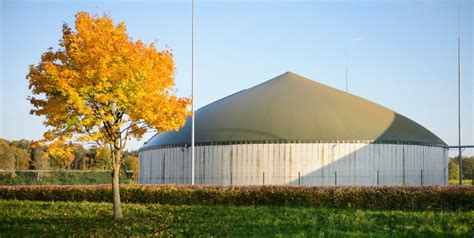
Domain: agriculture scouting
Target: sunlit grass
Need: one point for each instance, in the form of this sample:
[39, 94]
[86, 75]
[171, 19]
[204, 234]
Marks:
[20, 218]
[464, 182]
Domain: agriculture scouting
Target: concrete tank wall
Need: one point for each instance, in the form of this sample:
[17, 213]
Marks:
[297, 163]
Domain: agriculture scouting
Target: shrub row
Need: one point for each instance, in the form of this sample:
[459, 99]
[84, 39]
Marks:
[361, 197]
[63, 177]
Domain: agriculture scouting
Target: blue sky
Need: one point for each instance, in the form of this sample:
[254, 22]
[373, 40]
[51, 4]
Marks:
[401, 54]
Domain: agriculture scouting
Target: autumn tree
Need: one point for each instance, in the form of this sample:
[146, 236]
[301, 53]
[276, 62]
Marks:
[7, 160]
[40, 159]
[453, 169]
[61, 154]
[103, 87]
[15, 155]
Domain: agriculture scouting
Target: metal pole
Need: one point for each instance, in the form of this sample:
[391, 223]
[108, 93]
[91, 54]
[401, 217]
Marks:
[403, 174]
[462, 146]
[263, 178]
[444, 175]
[378, 180]
[421, 177]
[459, 92]
[347, 71]
[335, 177]
[192, 92]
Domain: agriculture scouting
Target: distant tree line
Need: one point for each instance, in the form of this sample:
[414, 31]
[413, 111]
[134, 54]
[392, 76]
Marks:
[32, 155]
[467, 168]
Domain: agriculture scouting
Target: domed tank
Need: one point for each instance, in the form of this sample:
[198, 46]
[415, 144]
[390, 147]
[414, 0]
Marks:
[292, 130]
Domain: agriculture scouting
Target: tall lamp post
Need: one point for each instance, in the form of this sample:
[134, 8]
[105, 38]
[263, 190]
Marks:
[459, 92]
[347, 60]
[347, 72]
[192, 92]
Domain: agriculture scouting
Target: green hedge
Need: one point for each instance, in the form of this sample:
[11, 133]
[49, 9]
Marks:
[60, 177]
[361, 197]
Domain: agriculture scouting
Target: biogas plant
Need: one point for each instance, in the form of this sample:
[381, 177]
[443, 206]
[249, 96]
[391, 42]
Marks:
[292, 130]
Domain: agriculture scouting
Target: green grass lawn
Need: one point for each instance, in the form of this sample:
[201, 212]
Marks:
[465, 181]
[23, 218]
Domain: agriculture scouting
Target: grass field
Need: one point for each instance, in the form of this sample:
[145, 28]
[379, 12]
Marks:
[465, 181]
[23, 218]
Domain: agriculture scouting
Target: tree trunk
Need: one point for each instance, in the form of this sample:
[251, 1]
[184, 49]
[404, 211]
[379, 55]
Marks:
[115, 187]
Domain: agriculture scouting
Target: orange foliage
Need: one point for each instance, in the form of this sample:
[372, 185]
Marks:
[61, 152]
[103, 87]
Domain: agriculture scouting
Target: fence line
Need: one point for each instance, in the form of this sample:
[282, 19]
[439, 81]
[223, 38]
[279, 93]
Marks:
[61, 177]
[378, 177]
[53, 170]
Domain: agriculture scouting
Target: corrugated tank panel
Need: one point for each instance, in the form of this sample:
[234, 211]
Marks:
[298, 163]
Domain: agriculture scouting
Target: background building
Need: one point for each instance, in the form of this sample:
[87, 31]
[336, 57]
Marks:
[292, 130]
